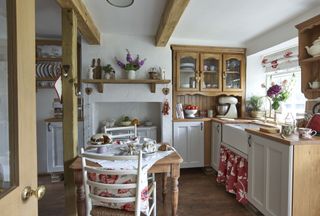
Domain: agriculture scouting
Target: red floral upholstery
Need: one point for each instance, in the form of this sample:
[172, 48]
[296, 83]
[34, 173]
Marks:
[233, 172]
[119, 179]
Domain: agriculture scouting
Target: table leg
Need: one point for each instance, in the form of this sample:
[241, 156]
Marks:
[81, 198]
[175, 174]
[164, 186]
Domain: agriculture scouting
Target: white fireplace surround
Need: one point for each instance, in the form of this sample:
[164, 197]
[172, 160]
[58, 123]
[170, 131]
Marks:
[128, 98]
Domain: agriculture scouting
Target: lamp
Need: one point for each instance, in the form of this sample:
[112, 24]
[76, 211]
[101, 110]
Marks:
[120, 3]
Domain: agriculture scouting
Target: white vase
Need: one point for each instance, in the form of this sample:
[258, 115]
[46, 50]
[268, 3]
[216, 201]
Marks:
[131, 74]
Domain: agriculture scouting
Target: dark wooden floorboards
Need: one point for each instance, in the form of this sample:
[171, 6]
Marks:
[200, 195]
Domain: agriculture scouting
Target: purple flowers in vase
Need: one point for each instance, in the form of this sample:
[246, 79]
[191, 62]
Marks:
[132, 64]
[274, 90]
[280, 93]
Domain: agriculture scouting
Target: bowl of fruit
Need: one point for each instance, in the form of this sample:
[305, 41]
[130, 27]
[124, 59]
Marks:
[190, 111]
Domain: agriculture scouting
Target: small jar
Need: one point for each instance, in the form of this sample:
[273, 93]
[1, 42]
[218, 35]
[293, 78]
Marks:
[210, 113]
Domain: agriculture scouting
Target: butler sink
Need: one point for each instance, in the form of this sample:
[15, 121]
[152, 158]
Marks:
[235, 136]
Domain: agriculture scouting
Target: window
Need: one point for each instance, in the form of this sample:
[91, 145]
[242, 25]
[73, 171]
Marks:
[296, 102]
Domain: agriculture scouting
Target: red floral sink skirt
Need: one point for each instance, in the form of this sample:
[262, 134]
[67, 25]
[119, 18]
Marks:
[233, 172]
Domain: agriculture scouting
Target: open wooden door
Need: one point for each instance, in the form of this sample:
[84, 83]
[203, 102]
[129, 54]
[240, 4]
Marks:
[18, 151]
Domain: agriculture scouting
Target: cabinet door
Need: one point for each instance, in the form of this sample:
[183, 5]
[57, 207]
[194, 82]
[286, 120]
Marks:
[187, 69]
[233, 72]
[210, 72]
[55, 147]
[215, 145]
[270, 176]
[189, 142]
[180, 141]
[196, 145]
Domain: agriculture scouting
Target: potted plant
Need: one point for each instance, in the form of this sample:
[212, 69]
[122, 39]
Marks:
[255, 104]
[109, 72]
[132, 65]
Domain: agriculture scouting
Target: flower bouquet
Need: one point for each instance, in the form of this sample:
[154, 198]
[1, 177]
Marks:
[280, 92]
[132, 64]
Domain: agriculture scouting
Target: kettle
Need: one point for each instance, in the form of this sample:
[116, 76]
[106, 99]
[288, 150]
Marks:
[314, 84]
[314, 123]
[314, 50]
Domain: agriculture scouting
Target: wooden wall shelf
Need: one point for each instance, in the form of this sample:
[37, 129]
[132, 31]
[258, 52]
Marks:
[309, 31]
[311, 59]
[51, 59]
[99, 83]
[46, 79]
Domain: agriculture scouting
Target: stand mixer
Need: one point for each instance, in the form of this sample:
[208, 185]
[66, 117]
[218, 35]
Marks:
[227, 107]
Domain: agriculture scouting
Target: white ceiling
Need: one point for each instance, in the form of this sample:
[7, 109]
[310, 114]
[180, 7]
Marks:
[236, 21]
[142, 18]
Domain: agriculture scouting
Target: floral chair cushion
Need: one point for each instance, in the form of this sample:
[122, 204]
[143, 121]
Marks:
[119, 179]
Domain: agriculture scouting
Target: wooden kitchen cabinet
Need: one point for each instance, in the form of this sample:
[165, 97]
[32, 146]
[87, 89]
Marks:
[189, 142]
[215, 144]
[309, 31]
[54, 136]
[233, 72]
[270, 176]
[208, 71]
[187, 71]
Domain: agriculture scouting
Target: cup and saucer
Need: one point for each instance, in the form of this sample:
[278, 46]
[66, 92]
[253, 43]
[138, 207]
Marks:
[306, 133]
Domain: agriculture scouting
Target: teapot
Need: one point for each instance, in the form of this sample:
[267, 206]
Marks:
[314, 50]
[314, 85]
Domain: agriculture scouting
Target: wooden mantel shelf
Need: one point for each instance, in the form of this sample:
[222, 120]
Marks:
[100, 82]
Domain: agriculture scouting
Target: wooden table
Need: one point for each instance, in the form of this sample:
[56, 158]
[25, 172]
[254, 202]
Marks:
[170, 164]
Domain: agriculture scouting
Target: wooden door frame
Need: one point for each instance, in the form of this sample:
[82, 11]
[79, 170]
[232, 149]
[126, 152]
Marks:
[23, 108]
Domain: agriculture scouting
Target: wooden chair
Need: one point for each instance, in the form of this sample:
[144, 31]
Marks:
[122, 132]
[130, 131]
[103, 211]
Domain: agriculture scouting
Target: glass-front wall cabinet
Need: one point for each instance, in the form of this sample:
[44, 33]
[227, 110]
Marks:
[187, 71]
[232, 72]
[210, 69]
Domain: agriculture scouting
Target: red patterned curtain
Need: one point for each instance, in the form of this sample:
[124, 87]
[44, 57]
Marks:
[233, 172]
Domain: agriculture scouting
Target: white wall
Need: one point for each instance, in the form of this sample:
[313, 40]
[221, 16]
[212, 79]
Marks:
[278, 35]
[116, 45]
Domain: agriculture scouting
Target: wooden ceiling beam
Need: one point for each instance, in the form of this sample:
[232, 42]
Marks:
[170, 18]
[86, 26]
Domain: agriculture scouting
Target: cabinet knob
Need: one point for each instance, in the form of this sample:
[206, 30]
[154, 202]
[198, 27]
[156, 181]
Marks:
[201, 126]
[218, 128]
[49, 127]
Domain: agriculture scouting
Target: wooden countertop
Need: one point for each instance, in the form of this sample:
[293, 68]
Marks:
[53, 119]
[191, 120]
[231, 121]
[219, 120]
[290, 140]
